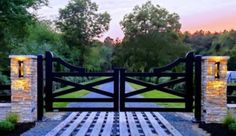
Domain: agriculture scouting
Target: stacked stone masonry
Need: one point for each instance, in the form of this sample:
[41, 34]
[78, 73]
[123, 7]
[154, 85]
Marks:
[5, 108]
[24, 89]
[214, 96]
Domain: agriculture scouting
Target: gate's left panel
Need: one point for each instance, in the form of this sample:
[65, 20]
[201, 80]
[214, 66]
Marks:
[71, 88]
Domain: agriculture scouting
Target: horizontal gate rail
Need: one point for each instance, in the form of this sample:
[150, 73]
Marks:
[90, 74]
[165, 74]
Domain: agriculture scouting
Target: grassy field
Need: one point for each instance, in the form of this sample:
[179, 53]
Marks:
[77, 94]
[159, 94]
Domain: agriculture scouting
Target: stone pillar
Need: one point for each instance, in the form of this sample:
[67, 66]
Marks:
[24, 86]
[214, 89]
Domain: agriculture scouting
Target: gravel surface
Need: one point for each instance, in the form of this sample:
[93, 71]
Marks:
[50, 121]
[181, 121]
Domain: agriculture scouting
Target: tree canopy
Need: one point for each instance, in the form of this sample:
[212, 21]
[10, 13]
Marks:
[14, 20]
[80, 23]
[149, 18]
[149, 51]
[152, 38]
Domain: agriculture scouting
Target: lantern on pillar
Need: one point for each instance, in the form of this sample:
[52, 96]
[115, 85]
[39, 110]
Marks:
[217, 70]
[21, 69]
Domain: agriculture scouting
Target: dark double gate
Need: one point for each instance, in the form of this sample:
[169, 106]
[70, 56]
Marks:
[119, 96]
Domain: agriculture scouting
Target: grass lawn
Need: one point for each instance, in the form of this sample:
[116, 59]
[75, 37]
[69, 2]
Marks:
[159, 94]
[77, 94]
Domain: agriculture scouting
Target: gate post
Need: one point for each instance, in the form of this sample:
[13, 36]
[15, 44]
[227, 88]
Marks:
[40, 88]
[122, 90]
[214, 88]
[198, 89]
[116, 90]
[24, 86]
[48, 81]
[189, 81]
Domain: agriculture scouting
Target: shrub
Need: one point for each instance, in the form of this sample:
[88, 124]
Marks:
[232, 128]
[229, 119]
[12, 117]
[6, 126]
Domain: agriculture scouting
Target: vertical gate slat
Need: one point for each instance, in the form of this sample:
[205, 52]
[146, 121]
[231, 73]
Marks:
[198, 70]
[116, 89]
[122, 90]
[189, 81]
[40, 100]
[48, 88]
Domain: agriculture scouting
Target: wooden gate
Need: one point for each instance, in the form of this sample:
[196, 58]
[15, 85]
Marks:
[53, 96]
[185, 77]
[119, 97]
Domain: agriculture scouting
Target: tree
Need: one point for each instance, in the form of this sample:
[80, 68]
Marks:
[99, 58]
[200, 41]
[224, 45]
[80, 23]
[14, 15]
[108, 41]
[41, 37]
[14, 19]
[151, 50]
[148, 19]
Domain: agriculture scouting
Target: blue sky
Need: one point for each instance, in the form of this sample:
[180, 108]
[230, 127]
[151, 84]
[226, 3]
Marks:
[213, 15]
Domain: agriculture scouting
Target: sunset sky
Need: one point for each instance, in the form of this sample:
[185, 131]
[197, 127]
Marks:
[212, 15]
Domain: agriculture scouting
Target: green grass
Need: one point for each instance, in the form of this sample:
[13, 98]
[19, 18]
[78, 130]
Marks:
[159, 94]
[77, 94]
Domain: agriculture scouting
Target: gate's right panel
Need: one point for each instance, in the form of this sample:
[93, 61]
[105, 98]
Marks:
[168, 88]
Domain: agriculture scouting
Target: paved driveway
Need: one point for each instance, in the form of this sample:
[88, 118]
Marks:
[109, 87]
